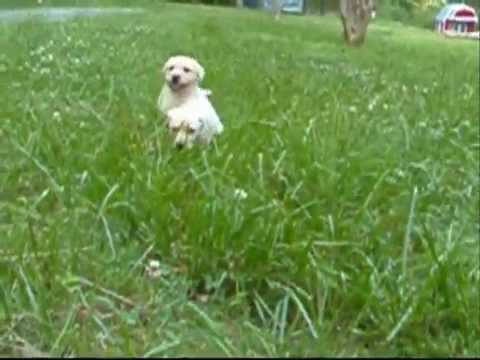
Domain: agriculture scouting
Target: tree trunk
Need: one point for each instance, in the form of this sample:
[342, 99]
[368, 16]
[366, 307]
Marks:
[355, 15]
[276, 8]
[323, 7]
[239, 3]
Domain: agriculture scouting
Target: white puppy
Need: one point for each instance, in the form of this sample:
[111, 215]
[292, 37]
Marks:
[182, 78]
[191, 117]
[193, 122]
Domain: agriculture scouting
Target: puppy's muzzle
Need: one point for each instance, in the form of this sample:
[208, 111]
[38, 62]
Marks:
[175, 79]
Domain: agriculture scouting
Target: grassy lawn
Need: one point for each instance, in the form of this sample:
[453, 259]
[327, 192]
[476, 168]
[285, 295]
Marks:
[15, 4]
[359, 232]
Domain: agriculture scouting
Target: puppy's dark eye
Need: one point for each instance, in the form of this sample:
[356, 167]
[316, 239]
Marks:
[190, 130]
[170, 68]
[186, 69]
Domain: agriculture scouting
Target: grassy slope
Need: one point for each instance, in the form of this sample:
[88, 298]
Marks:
[15, 4]
[330, 144]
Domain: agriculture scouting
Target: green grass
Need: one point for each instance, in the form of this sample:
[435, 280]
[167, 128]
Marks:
[15, 4]
[359, 235]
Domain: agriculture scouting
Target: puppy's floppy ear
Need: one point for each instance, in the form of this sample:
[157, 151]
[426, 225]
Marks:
[166, 65]
[200, 71]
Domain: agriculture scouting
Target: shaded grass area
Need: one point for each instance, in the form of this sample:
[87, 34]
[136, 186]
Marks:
[359, 232]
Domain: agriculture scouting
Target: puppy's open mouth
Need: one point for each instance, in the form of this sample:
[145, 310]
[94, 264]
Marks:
[175, 86]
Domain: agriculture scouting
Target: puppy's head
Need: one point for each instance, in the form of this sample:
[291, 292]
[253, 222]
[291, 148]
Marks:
[182, 71]
[184, 127]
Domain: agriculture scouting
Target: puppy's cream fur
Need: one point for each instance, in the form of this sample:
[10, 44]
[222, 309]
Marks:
[190, 115]
[194, 122]
[183, 75]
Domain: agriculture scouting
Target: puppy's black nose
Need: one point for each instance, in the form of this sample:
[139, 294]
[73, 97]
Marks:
[175, 79]
[179, 146]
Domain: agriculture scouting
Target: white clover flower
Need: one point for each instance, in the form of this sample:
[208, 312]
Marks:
[153, 269]
[372, 104]
[154, 264]
[400, 173]
[240, 194]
